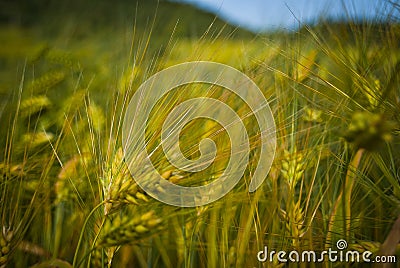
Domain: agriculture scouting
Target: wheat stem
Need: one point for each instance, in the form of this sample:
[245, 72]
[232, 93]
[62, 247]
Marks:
[83, 232]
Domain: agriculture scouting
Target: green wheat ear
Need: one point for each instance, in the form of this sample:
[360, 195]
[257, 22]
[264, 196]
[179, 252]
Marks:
[60, 57]
[293, 167]
[312, 115]
[37, 138]
[48, 80]
[369, 131]
[118, 185]
[34, 105]
[295, 221]
[5, 247]
[123, 229]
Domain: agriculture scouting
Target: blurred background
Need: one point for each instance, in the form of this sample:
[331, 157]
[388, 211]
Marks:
[255, 15]
[259, 15]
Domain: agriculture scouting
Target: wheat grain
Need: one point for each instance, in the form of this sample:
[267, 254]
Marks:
[5, 246]
[119, 186]
[34, 105]
[293, 166]
[121, 230]
[46, 81]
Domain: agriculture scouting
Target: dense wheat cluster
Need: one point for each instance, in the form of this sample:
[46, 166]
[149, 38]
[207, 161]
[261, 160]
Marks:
[67, 196]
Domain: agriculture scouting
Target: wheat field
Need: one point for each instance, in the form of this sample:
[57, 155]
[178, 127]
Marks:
[68, 198]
